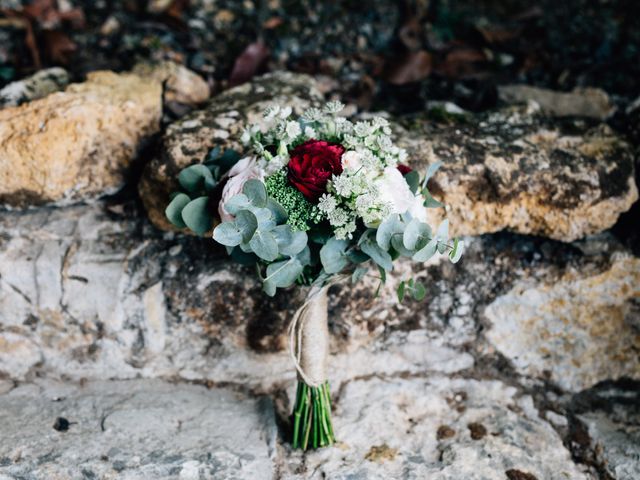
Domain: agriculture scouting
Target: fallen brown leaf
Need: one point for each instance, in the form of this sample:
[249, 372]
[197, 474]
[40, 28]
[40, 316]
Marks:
[408, 67]
[461, 62]
[58, 46]
[250, 61]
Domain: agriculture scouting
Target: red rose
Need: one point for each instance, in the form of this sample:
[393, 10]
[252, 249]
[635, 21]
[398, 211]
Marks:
[404, 169]
[312, 164]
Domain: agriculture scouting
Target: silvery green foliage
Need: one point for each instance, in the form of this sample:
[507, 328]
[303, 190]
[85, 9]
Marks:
[258, 233]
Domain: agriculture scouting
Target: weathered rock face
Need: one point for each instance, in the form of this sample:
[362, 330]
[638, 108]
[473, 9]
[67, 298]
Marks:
[36, 86]
[219, 124]
[517, 171]
[582, 102]
[136, 429]
[76, 144]
[579, 329]
[180, 84]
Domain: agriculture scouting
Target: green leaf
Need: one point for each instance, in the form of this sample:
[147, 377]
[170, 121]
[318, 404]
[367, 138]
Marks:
[419, 291]
[427, 251]
[296, 245]
[429, 201]
[356, 256]
[227, 234]
[265, 221]
[456, 251]
[358, 274]
[416, 235]
[391, 226]
[174, 209]
[431, 170]
[243, 258]
[332, 255]
[283, 234]
[398, 246]
[377, 254]
[247, 224]
[196, 215]
[236, 203]
[304, 257]
[256, 192]
[228, 159]
[401, 291]
[442, 233]
[413, 180]
[264, 245]
[283, 274]
[278, 213]
[194, 178]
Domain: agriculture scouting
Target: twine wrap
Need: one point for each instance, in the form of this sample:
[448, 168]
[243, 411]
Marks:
[309, 337]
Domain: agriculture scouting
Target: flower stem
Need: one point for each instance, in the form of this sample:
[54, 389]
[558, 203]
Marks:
[312, 426]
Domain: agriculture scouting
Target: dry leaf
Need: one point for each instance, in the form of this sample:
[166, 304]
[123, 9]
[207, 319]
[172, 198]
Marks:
[407, 68]
[249, 63]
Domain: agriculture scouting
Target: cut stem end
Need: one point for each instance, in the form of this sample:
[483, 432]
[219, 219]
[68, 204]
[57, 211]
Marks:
[312, 426]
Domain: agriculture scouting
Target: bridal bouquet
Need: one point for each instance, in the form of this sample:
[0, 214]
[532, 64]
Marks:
[312, 201]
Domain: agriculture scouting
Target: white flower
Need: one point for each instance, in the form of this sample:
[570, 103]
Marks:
[312, 115]
[333, 107]
[246, 169]
[362, 129]
[327, 203]
[342, 185]
[271, 112]
[285, 112]
[418, 209]
[351, 160]
[394, 190]
[338, 217]
[309, 132]
[293, 130]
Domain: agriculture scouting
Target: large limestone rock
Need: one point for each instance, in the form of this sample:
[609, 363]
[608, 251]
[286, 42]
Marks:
[578, 328]
[136, 429]
[76, 144]
[220, 123]
[180, 84]
[517, 171]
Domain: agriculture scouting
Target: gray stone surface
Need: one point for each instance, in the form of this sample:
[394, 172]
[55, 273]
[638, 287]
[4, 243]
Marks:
[139, 429]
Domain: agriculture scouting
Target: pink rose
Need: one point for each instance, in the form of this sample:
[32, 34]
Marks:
[244, 170]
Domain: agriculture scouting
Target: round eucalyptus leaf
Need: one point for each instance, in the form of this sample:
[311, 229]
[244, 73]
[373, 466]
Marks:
[227, 234]
[196, 215]
[195, 177]
[296, 245]
[332, 255]
[427, 251]
[416, 235]
[236, 203]
[247, 224]
[264, 245]
[256, 192]
[174, 209]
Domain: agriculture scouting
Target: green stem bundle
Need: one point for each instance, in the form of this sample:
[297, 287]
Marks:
[312, 426]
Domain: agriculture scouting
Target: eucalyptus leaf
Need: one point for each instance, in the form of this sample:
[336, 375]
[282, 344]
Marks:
[243, 258]
[358, 274]
[283, 234]
[431, 170]
[377, 254]
[227, 234]
[228, 159]
[400, 291]
[391, 226]
[332, 255]
[429, 201]
[456, 251]
[442, 232]
[265, 220]
[174, 209]
[413, 180]
[194, 178]
[264, 245]
[427, 251]
[196, 215]
[247, 224]
[284, 273]
[256, 192]
[398, 246]
[357, 256]
[416, 235]
[236, 203]
[304, 257]
[278, 213]
[419, 291]
[296, 245]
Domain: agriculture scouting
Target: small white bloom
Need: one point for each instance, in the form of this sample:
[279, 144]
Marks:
[333, 107]
[309, 132]
[271, 112]
[342, 185]
[351, 160]
[338, 217]
[245, 169]
[293, 129]
[362, 129]
[312, 115]
[246, 136]
[327, 203]
[285, 112]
